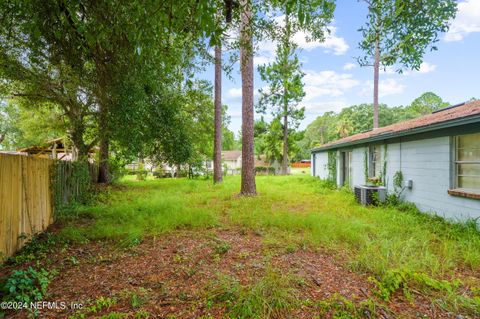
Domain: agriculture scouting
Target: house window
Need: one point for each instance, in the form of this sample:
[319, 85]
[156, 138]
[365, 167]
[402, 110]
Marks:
[467, 162]
[375, 167]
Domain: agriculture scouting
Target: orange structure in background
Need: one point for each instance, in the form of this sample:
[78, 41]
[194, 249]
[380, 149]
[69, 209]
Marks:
[301, 164]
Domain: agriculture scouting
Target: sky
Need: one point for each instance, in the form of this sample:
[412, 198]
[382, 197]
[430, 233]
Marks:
[333, 80]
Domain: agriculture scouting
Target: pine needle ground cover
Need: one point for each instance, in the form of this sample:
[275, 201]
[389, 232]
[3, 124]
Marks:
[179, 248]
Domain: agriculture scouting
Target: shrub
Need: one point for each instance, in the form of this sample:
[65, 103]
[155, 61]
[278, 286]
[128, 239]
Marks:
[159, 172]
[264, 170]
[116, 169]
[26, 285]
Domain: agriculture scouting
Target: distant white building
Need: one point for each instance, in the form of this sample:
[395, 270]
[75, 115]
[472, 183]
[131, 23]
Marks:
[232, 161]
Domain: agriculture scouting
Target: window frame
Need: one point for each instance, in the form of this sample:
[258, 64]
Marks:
[372, 164]
[455, 166]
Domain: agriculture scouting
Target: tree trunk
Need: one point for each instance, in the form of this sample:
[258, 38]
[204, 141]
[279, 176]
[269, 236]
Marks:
[376, 69]
[76, 136]
[286, 40]
[285, 146]
[248, 187]
[103, 165]
[217, 143]
[104, 146]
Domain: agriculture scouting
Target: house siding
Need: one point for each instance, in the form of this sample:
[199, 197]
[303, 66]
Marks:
[320, 165]
[427, 162]
[358, 166]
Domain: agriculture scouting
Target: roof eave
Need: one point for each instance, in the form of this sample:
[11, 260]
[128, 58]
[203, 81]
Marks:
[428, 128]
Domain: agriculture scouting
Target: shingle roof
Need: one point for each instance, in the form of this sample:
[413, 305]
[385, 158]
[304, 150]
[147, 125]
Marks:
[231, 155]
[449, 114]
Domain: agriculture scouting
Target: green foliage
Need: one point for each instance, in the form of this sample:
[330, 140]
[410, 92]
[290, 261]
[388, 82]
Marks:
[395, 280]
[36, 249]
[265, 170]
[23, 125]
[130, 215]
[449, 294]
[269, 139]
[285, 89]
[374, 240]
[398, 180]
[339, 307]
[141, 172]
[117, 170]
[71, 182]
[332, 167]
[271, 297]
[159, 172]
[26, 285]
[357, 118]
[404, 30]
[425, 104]
[221, 247]
[366, 166]
[224, 289]
[94, 307]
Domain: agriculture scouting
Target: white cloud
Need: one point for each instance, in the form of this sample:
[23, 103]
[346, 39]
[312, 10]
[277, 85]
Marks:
[349, 66]
[327, 83]
[322, 107]
[234, 92]
[426, 67]
[264, 58]
[332, 44]
[388, 70]
[386, 87]
[467, 21]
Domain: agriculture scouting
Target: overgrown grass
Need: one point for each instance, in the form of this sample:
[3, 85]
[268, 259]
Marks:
[299, 210]
[272, 296]
[140, 209]
[375, 239]
[402, 250]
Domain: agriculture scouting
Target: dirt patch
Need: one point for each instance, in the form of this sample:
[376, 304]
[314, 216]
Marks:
[171, 276]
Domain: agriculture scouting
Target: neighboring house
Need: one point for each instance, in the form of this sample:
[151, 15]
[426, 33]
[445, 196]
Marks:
[439, 154]
[262, 161]
[232, 161]
[55, 149]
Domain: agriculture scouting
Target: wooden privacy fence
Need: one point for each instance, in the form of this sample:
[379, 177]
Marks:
[71, 180]
[25, 200]
[30, 188]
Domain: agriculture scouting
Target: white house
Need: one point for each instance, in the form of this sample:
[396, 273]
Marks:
[439, 154]
[233, 161]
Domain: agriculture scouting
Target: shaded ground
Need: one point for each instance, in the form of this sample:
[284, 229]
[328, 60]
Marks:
[226, 267]
[175, 276]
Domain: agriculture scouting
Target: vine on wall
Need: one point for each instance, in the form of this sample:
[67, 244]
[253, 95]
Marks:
[70, 182]
[332, 167]
[365, 165]
[383, 177]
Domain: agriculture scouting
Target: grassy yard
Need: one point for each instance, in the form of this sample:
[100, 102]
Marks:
[177, 248]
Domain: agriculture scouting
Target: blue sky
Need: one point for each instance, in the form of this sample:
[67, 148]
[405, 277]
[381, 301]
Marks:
[334, 80]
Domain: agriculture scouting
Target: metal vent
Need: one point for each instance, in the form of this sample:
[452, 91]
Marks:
[370, 195]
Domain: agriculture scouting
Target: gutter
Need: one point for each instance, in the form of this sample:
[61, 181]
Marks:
[386, 136]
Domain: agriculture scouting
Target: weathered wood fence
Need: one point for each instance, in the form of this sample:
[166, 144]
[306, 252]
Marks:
[25, 200]
[29, 190]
